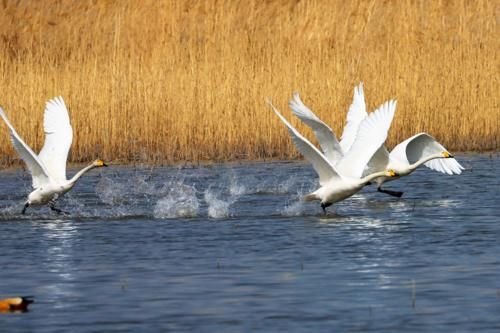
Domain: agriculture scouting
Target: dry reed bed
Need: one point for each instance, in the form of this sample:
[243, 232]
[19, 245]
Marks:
[164, 81]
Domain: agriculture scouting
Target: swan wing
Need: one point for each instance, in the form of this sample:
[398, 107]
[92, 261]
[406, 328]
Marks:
[323, 168]
[378, 162]
[355, 115]
[58, 138]
[326, 138]
[39, 173]
[422, 145]
[371, 136]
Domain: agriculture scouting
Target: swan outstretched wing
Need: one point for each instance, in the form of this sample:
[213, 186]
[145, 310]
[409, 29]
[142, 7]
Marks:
[326, 138]
[355, 115]
[422, 145]
[58, 138]
[38, 171]
[371, 136]
[323, 168]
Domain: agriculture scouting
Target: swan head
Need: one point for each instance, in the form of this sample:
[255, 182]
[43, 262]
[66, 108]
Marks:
[446, 154]
[391, 173]
[99, 163]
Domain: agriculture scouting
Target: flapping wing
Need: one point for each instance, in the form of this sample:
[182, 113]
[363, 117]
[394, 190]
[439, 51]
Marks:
[38, 171]
[371, 136]
[422, 145]
[323, 168]
[58, 138]
[326, 138]
[355, 115]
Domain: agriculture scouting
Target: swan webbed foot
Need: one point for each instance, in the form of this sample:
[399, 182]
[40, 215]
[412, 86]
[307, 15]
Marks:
[393, 193]
[26, 205]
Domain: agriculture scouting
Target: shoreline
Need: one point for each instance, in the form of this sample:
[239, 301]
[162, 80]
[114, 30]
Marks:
[207, 163]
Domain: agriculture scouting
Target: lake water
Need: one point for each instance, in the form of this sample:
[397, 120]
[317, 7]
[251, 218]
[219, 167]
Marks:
[230, 248]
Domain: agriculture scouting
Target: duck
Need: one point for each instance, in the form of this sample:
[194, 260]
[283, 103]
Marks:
[16, 304]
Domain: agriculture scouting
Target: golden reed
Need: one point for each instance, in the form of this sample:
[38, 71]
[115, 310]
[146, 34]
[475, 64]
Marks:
[165, 81]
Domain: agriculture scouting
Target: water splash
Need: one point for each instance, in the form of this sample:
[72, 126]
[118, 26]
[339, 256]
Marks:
[112, 192]
[296, 208]
[217, 208]
[181, 201]
[235, 187]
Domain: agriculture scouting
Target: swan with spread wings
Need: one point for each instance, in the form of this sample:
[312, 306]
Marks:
[342, 180]
[407, 156]
[48, 169]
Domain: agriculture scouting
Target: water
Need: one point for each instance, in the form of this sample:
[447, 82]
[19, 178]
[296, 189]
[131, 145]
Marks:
[230, 248]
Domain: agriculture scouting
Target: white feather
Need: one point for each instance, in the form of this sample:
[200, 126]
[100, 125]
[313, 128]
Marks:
[355, 115]
[421, 145]
[323, 168]
[39, 173]
[58, 139]
[326, 138]
[372, 133]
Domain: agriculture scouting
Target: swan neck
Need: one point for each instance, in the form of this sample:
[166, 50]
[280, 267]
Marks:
[372, 176]
[80, 173]
[424, 160]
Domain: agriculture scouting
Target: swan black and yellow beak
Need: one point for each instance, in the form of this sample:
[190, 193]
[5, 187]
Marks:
[391, 173]
[15, 304]
[446, 154]
[100, 163]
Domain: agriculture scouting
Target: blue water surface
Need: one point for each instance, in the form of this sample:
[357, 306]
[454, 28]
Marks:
[231, 248]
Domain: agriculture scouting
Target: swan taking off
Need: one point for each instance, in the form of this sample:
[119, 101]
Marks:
[340, 181]
[48, 169]
[403, 159]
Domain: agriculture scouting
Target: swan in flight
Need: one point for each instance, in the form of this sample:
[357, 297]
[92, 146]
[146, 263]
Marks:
[403, 159]
[48, 169]
[342, 180]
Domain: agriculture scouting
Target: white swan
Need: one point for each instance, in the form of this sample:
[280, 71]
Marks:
[403, 159]
[48, 169]
[340, 181]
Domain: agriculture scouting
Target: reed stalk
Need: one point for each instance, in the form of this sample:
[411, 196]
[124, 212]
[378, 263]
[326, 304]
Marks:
[167, 81]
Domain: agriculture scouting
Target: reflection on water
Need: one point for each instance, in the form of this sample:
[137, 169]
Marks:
[233, 248]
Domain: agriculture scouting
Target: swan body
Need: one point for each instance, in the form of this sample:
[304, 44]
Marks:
[405, 158]
[48, 169]
[340, 181]
[335, 191]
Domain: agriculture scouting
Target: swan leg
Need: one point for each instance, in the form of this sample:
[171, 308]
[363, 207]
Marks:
[393, 193]
[324, 205]
[26, 205]
[53, 207]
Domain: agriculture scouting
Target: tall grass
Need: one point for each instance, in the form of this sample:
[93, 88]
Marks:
[164, 81]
